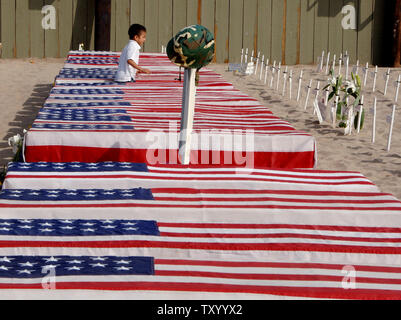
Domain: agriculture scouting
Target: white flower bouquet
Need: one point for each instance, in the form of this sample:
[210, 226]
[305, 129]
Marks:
[348, 95]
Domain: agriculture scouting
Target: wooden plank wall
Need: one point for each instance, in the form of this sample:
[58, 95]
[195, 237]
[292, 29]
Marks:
[291, 31]
[22, 34]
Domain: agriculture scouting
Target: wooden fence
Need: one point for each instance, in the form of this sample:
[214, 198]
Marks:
[293, 31]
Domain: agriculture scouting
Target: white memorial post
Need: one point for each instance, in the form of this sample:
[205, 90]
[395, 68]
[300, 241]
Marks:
[299, 85]
[278, 76]
[374, 111]
[391, 120]
[187, 115]
[309, 87]
[387, 78]
[366, 74]
[273, 71]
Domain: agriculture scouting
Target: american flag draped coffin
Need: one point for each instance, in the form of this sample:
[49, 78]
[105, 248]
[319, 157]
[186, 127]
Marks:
[138, 230]
[90, 118]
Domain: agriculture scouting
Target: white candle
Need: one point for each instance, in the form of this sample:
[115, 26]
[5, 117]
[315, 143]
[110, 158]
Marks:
[290, 83]
[340, 64]
[242, 56]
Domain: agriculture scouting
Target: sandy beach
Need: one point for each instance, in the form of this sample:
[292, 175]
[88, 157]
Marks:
[25, 85]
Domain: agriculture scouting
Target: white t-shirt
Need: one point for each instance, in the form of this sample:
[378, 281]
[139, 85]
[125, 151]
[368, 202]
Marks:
[125, 71]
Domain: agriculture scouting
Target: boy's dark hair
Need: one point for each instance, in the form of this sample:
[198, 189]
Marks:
[135, 30]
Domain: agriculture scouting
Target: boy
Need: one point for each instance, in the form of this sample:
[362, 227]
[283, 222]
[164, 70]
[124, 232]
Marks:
[128, 65]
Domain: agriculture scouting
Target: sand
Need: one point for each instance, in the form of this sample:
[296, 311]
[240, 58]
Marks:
[26, 83]
[24, 86]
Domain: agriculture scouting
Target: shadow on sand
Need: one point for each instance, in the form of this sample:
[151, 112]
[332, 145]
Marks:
[24, 119]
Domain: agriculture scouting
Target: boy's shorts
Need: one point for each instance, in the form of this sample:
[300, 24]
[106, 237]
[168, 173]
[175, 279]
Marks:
[125, 82]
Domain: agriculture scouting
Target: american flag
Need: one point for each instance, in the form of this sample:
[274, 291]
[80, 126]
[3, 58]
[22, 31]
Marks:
[174, 229]
[90, 118]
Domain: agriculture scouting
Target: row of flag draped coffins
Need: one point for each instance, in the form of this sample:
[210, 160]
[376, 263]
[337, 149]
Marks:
[90, 118]
[213, 232]
[282, 80]
[134, 230]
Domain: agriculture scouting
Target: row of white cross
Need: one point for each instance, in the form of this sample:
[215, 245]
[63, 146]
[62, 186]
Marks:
[262, 68]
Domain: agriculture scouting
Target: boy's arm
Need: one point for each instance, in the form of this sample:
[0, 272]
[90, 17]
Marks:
[134, 65]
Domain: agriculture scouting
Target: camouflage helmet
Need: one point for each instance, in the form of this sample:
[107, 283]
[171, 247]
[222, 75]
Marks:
[192, 47]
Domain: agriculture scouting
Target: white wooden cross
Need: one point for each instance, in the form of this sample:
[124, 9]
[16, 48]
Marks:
[299, 85]
[261, 67]
[266, 70]
[360, 115]
[327, 63]
[285, 73]
[391, 120]
[257, 63]
[309, 87]
[397, 88]
[387, 78]
[273, 71]
[374, 80]
[340, 64]
[374, 111]
[278, 75]
[366, 74]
